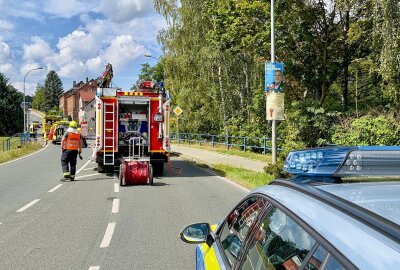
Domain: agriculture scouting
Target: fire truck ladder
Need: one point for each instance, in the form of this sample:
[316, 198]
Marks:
[109, 139]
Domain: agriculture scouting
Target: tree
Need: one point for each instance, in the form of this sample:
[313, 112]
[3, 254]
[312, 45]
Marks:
[11, 120]
[38, 98]
[53, 89]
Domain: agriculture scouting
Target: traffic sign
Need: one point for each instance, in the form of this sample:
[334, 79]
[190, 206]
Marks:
[177, 110]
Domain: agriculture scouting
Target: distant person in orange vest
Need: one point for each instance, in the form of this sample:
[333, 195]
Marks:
[71, 145]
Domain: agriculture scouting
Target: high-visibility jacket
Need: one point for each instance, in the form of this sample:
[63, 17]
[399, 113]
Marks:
[72, 141]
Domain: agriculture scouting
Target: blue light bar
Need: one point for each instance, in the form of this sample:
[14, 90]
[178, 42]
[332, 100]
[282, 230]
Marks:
[316, 161]
[345, 161]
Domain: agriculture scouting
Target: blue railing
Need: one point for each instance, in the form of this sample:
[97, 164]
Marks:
[254, 144]
[12, 143]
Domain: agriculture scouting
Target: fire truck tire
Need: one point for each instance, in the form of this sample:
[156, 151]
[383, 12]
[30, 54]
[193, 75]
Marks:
[158, 169]
[150, 175]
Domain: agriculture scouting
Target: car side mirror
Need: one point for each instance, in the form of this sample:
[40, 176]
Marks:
[195, 233]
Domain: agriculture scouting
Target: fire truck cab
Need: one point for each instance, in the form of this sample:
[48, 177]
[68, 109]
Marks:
[132, 124]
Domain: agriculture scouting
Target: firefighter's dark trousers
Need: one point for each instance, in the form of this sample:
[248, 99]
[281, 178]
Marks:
[68, 163]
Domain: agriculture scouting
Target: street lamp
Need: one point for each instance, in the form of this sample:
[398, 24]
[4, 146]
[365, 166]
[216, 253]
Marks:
[25, 127]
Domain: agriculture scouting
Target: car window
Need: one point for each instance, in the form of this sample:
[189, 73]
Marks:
[237, 225]
[333, 264]
[278, 243]
[317, 259]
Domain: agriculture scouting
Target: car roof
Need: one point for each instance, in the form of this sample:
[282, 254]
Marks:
[382, 198]
[350, 236]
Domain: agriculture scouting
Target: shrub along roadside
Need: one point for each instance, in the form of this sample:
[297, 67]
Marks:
[19, 152]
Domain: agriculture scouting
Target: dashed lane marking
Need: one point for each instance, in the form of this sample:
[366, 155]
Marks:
[108, 235]
[27, 206]
[94, 268]
[115, 206]
[91, 168]
[55, 188]
[116, 187]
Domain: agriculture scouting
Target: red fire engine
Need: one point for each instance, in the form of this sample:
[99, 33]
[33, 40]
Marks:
[132, 130]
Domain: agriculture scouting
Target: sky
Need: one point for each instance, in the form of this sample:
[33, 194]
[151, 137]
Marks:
[76, 39]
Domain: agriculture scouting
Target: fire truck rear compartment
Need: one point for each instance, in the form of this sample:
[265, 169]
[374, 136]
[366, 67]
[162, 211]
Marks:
[133, 121]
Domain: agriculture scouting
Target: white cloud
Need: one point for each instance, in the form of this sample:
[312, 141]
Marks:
[125, 10]
[29, 66]
[5, 52]
[78, 44]
[6, 25]
[7, 69]
[29, 9]
[30, 87]
[122, 51]
[37, 50]
[74, 69]
[69, 8]
[95, 65]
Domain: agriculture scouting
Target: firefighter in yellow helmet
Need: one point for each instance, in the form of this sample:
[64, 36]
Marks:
[71, 145]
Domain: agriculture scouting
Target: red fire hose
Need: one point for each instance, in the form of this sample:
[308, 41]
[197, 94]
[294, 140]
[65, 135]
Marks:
[173, 170]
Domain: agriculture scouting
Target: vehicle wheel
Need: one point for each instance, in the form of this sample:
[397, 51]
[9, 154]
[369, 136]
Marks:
[158, 169]
[101, 168]
[121, 176]
[150, 175]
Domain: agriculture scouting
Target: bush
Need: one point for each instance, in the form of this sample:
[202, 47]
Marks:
[368, 130]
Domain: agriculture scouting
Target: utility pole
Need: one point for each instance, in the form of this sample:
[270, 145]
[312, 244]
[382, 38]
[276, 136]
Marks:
[273, 139]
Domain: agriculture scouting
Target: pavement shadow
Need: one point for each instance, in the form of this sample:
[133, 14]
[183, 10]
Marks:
[188, 169]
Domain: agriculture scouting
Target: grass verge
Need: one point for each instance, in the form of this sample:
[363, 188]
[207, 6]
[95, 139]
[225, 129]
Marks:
[246, 178]
[19, 152]
[232, 151]
[243, 177]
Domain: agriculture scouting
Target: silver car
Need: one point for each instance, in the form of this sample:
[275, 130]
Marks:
[317, 220]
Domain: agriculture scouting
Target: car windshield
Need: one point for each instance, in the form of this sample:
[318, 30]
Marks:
[382, 198]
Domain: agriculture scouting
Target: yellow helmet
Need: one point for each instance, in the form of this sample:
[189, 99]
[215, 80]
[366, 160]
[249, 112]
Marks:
[73, 124]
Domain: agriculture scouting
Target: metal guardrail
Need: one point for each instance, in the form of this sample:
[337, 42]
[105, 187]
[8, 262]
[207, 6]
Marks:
[255, 144]
[12, 143]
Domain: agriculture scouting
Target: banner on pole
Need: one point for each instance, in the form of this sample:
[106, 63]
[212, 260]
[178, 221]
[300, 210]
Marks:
[275, 106]
[274, 79]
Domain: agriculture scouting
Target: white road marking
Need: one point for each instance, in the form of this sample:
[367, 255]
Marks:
[28, 205]
[84, 176]
[94, 268]
[91, 168]
[55, 188]
[115, 206]
[83, 167]
[108, 235]
[116, 187]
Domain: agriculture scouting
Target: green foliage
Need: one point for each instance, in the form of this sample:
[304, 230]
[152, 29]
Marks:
[341, 58]
[276, 171]
[11, 120]
[370, 129]
[307, 124]
[38, 98]
[53, 89]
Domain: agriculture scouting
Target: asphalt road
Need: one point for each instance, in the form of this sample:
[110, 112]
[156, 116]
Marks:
[93, 223]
